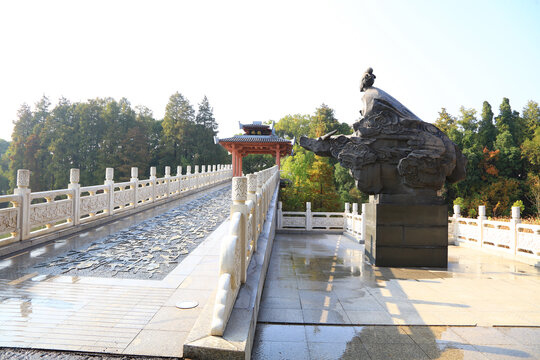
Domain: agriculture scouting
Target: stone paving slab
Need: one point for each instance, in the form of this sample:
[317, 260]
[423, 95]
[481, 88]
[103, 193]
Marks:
[321, 301]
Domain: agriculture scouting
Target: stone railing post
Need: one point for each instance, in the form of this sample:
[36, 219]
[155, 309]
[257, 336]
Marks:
[204, 174]
[188, 177]
[135, 185]
[345, 216]
[309, 220]
[179, 182]
[280, 215]
[262, 199]
[153, 180]
[239, 197]
[481, 218]
[363, 223]
[456, 216]
[197, 176]
[516, 219]
[22, 189]
[355, 208]
[74, 177]
[109, 176]
[167, 180]
[252, 195]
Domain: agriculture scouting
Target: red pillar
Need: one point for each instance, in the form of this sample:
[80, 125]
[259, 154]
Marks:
[234, 162]
[278, 157]
[239, 164]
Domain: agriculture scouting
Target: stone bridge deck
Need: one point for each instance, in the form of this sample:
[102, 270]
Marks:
[320, 301]
[114, 289]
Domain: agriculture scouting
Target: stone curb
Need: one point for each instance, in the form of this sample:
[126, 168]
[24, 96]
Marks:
[237, 341]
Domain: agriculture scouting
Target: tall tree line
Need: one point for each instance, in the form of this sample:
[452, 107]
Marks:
[101, 133]
[503, 155]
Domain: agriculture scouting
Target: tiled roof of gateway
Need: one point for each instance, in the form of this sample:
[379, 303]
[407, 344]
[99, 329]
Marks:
[255, 138]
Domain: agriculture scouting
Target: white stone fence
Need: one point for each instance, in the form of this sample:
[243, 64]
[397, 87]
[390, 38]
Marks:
[32, 214]
[251, 196]
[512, 238]
[349, 222]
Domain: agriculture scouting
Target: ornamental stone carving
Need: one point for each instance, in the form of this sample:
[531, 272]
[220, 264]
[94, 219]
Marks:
[252, 183]
[144, 193]
[239, 188]
[391, 150]
[48, 213]
[93, 204]
[109, 174]
[8, 220]
[74, 176]
[294, 221]
[327, 221]
[23, 178]
[123, 197]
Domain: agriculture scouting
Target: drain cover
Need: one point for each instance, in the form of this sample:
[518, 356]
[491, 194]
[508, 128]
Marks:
[187, 304]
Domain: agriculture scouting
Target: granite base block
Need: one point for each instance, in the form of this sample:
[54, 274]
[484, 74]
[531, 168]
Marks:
[406, 235]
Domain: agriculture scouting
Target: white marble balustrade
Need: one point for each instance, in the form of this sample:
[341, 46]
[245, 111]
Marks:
[251, 196]
[505, 237]
[31, 214]
[347, 221]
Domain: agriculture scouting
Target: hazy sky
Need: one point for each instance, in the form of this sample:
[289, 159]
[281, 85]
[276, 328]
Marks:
[260, 60]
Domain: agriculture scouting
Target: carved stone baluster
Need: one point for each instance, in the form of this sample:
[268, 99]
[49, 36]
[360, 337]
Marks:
[134, 186]
[153, 182]
[109, 175]
[179, 182]
[167, 180]
[74, 177]
[23, 183]
[239, 197]
[252, 195]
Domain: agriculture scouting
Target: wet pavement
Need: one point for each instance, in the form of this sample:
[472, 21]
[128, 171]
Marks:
[321, 301]
[98, 312]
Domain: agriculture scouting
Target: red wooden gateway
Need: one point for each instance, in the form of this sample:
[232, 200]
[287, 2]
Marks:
[257, 139]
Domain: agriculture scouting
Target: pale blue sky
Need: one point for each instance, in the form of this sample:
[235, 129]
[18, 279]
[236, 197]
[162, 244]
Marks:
[258, 61]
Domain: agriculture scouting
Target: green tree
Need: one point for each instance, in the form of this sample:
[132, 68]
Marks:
[293, 126]
[487, 132]
[205, 150]
[4, 167]
[256, 162]
[531, 118]
[178, 129]
[322, 191]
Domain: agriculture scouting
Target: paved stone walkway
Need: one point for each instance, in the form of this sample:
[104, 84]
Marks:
[321, 301]
[149, 249]
[107, 314]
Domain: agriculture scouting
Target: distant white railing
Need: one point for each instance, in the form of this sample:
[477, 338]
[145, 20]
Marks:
[351, 223]
[251, 196]
[31, 214]
[511, 237]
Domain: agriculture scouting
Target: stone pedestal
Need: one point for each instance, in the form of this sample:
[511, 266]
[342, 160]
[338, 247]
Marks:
[406, 231]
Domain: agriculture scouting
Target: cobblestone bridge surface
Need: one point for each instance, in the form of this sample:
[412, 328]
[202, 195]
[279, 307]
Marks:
[149, 249]
[20, 354]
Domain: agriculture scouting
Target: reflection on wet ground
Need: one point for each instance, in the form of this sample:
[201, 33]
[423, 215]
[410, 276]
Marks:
[104, 313]
[320, 294]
